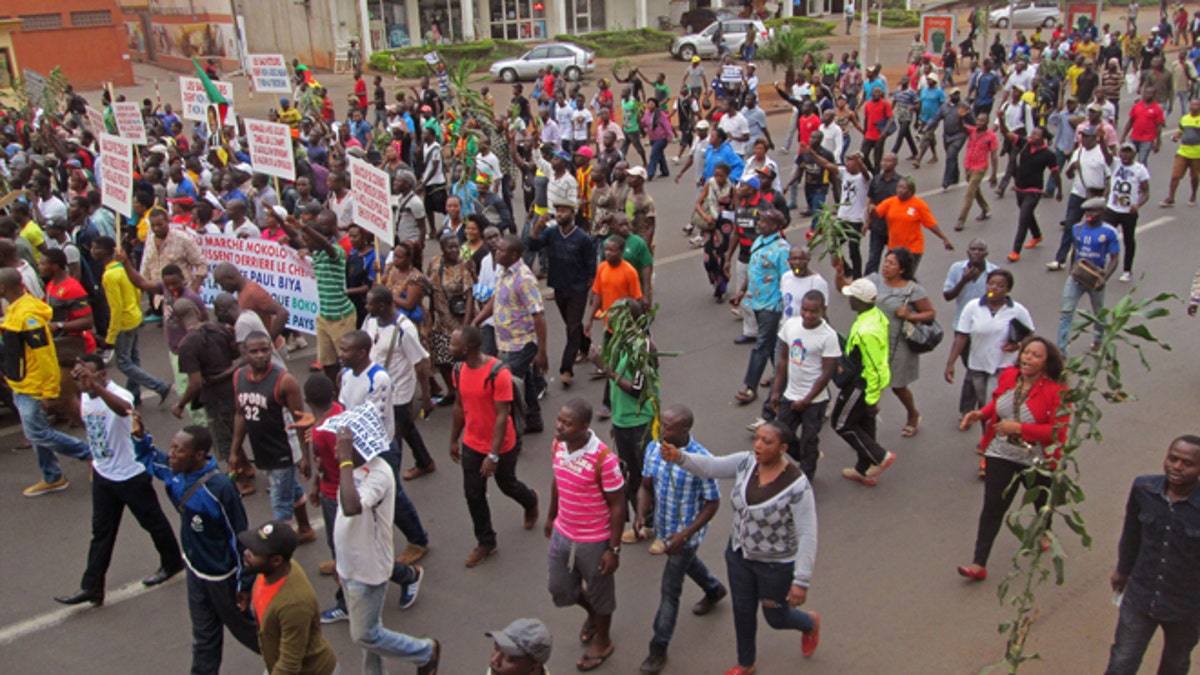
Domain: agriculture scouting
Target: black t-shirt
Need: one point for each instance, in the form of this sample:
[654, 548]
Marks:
[756, 494]
[815, 176]
[522, 104]
[380, 98]
[209, 350]
[1086, 84]
[880, 189]
[1031, 167]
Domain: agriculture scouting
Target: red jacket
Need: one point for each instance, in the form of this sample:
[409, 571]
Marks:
[1043, 401]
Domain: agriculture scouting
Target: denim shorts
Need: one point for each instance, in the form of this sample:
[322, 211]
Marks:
[285, 491]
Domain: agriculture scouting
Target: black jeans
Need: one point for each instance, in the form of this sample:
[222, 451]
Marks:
[521, 365]
[1074, 215]
[109, 499]
[1135, 627]
[688, 564]
[489, 340]
[631, 450]
[407, 432]
[1027, 222]
[329, 509]
[213, 608]
[854, 244]
[997, 497]
[904, 133]
[572, 306]
[953, 147]
[808, 423]
[475, 489]
[754, 582]
[856, 425]
[872, 151]
[876, 246]
[1128, 223]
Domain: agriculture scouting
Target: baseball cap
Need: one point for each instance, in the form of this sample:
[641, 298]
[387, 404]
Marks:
[1094, 203]
[695, 59]
[585, 151]
[273, 538]
[753, 182]
[524, 637]
[638, 171]
[862, 289]
[752, 65]
[1128, 145]
[283, 100]
[1088, 131]
[702, 124]
[183, 201]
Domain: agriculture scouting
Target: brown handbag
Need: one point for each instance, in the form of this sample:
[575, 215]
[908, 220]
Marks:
[1086, 274]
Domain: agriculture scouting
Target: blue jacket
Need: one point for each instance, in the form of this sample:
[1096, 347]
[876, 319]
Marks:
[725, 153]
[210, 520]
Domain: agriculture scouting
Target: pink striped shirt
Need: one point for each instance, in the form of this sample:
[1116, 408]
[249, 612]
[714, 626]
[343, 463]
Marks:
[582, 510]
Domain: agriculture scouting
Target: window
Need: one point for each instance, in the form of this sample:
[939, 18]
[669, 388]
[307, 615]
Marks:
[560, 53]
[6, 72]
[102, 17]
[41, 21]
[538, 53]
[518, 19]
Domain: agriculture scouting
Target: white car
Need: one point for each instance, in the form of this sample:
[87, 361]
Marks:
[572, 60]
[733, 32]
[1026, 13]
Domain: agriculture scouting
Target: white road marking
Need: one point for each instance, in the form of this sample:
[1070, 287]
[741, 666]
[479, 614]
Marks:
[1157, 222]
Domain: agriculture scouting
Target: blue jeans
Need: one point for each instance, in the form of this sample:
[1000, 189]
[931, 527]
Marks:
[405, 517]
[752, 582]
[129, 362]
[953, 147]
[365, 603]
[521, 365]
[679, 565]
[815, 199]
[658, 157]
[1134, 630]
[875, 248]
[1051, 188]
[1143, 150]
[1072, 294]
[212, 606]
[764, 346]
[46, 439]
[1074, 215]
[284, 487]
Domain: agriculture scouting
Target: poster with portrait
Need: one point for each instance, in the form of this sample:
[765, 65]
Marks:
[937, 31]
[1079, 9]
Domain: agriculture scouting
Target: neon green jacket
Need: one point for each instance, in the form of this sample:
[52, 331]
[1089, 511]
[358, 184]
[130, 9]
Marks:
[870, 335]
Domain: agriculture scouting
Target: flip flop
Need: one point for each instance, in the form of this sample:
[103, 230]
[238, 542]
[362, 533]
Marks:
[745, 395]
[587, 632]
[910, 430]
[589, 662]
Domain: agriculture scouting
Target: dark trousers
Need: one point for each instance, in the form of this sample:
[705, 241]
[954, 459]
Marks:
[489, 340]
[856, 425]
[953, 147]
[213, 608]
[109, 499]
[997, 497]
[685, 564]
[764, 346]
[329, 513]
[854, 244]
[904, 133]
[751, 583]
[1134, 630]
[572, 306]
[405, 517]
[982, 109]
[475, 489]
[1027, 222]
[873, 153]
[407, 432]
[658, 158]
[806, 425]
[521, 365]
[1074, 215]
[876, 245]
[631, 450]
[1128, 223]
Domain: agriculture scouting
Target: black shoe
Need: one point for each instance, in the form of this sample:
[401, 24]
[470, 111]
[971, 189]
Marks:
[96, 597]
[534, 428]
[655, 662]
[160, 575]
[705, 604]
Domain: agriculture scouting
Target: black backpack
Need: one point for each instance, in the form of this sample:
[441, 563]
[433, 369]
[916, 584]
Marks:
[517, 410]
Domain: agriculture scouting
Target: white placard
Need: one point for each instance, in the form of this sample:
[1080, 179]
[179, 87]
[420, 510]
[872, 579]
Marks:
[95, 120]
[731, 73]
[35, 87]
[275, 266]
[271, 148]
[129, 121]
[371, 190]
[432, 58]
[115, 167]
[194, 105]
[269, 73]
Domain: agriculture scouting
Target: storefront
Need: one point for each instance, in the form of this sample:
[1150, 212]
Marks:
[585, 16]
[518, 20]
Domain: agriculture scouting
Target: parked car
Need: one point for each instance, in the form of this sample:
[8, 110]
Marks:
[572, 60]
[734, 32]
[1036, 13]
[694, 20]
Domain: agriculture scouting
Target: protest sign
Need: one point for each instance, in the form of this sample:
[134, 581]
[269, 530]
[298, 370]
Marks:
[731, 73]
[129, 122]
[370, 189]
[269, 73]
[95, 120]
[195, 101]
[271, 148]
[115, 169]
[35, 87]
[276, 267]
[432, 58]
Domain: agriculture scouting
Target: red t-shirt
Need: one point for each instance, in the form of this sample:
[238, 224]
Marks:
[324, 445]
[263, 594]
[876, 114]
[1145, 119]
[479, 409]
[806, 125]
[360, 92]
[68, 301]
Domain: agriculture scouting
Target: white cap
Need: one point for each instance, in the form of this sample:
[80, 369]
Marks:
[862, 289]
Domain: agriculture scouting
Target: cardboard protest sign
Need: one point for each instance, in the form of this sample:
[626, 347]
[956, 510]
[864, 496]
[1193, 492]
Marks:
[370, 188]
[276, 267]
[432, 58]
[195, 102]
[35, 87]
[115, 169]
[95, 120]
[129, 122]
[269, 73]
[271, 148]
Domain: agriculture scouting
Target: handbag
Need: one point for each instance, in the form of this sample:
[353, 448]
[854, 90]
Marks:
[1018, 331]
[1086, 273]
[921, 338]
[456, 303]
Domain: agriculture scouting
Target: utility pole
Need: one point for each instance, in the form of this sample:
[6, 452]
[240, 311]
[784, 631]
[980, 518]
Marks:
[862, 36]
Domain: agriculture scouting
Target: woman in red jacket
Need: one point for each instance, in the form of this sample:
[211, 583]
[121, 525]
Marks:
[1022, 428]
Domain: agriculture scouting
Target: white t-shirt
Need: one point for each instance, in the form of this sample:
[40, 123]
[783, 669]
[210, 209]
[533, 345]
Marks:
[364, 542]
[53, 208]
[406, 353]
[853, 208]
[563, 115]
[806, 350]
[1126, 186]
[989, 333]
[343, 208]
[250, 322]
[410, 212]
[109, 436]
[489, 164]
[734, 124]
[1091, 171]
[581, 122]
[1017, 116]
[752, 167]
[486, 283]
[832, 138]
[432, 175]
[373, 385]
[793, 289]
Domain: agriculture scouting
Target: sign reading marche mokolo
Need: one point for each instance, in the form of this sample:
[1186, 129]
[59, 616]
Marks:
[276, 267]
[116, 173]
[129, 121]
[271, 148]
[195, 101]
[370, 189]
[269, 72]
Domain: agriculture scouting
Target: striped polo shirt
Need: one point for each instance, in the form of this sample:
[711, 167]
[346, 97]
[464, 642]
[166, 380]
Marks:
[330, 272]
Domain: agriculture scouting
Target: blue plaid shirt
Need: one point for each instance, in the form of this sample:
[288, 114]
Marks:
[678, 495]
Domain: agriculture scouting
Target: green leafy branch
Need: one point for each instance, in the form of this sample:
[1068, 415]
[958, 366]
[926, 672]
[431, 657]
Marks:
[1097, 376]
[830, 235]
[628, 341]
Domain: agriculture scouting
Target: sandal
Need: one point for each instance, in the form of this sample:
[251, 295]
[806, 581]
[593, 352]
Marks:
[593, 661]
[745, 395]
[1167, 203]
[910, 430]
[587, 632]
[766, 382]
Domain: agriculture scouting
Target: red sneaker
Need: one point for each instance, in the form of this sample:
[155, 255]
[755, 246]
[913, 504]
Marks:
[1033, 242]
[1014, 257]
[808, 643]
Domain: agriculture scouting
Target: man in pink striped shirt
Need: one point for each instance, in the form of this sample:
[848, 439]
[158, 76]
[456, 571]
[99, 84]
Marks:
[584, 524]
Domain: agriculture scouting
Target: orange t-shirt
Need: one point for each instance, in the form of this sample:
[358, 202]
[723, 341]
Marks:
[904, 222]
[613, 283]
[263, 594]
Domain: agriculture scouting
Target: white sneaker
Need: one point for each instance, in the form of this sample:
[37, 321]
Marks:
[753, 426]
[1126, 277]
[696, 241]
[676, 160]
[1054, 266]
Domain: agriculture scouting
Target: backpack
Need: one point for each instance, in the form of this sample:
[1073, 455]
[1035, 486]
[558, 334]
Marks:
[516, 410]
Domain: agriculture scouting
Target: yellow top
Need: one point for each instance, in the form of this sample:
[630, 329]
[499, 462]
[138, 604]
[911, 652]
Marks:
[32, 232]
[1189, 142]
[124, 301]
[25, 328]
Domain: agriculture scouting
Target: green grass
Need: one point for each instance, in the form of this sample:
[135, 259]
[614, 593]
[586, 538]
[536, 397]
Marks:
[617, 43]
[409, 64]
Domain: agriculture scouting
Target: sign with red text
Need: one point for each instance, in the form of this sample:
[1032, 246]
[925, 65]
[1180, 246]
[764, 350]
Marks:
[276, 267]
[271, 148]
[129, 121]
[195, 102]
[115, 169]
[95, 120]
[371, 190]
[937, 31]
[269, 73]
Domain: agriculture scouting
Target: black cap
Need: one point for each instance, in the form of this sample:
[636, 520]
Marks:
[273, 538]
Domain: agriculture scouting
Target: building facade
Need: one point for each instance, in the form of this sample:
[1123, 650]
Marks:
[82, 37]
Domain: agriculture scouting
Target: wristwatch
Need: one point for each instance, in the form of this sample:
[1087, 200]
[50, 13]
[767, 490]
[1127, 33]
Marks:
[494, 457]
[615, 550]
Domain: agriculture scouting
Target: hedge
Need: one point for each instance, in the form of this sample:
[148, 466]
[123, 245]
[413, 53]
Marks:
[409, 63]
[616, 43]
[897, 18]
[810, 27]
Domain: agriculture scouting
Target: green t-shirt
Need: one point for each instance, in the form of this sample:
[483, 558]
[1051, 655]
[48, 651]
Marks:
[637, 253]
[625, 412]
[662, 91]
[332, 302]
[630, 112]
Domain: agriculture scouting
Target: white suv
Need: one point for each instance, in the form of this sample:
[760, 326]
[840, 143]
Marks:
[734, 33]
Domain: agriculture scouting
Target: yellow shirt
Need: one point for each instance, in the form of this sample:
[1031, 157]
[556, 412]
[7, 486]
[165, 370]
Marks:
[25, 328]
[1073, 75]
[290, 117]
[143, 226]
[32, 233]
[1088, 50]
[124, 301]
[1189, 142]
